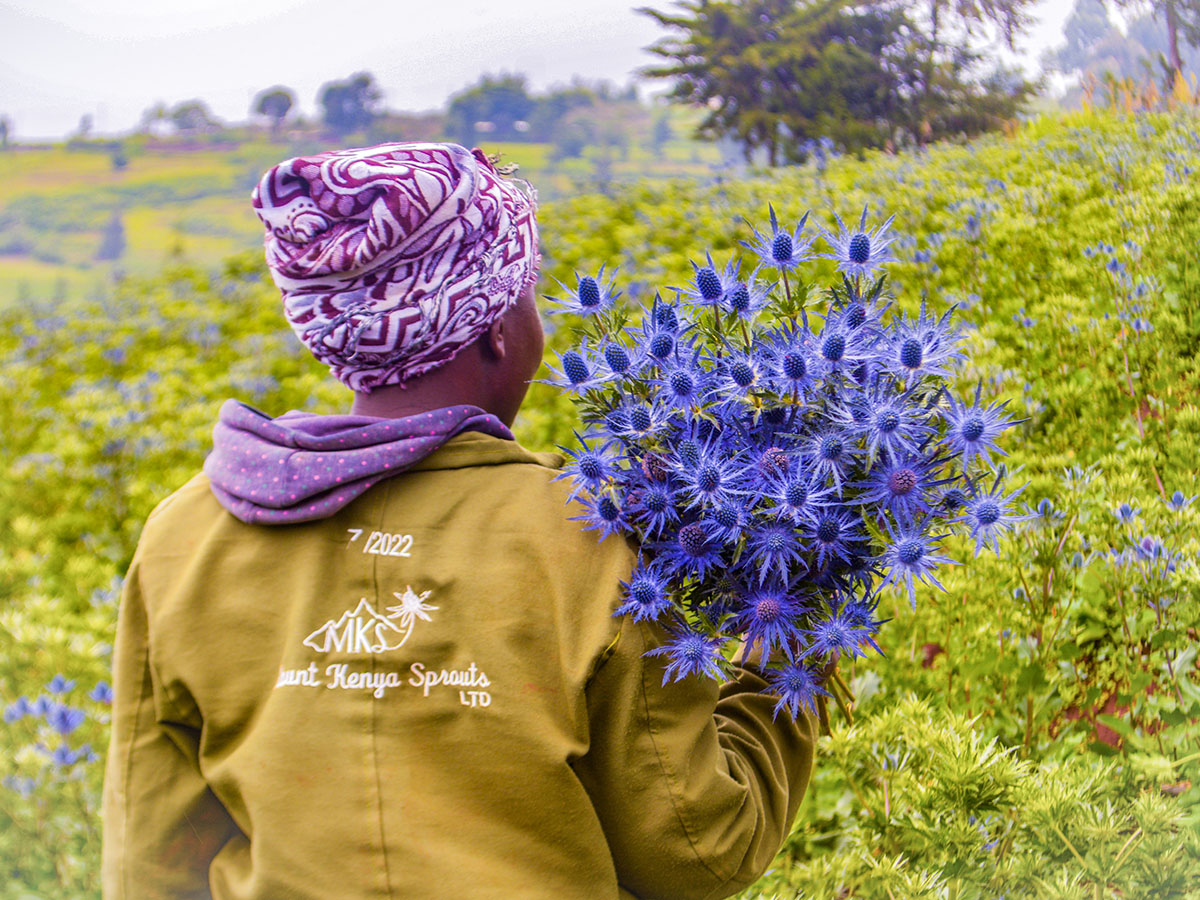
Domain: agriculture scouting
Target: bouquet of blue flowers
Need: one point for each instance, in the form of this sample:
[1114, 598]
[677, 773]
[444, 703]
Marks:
[777, 468]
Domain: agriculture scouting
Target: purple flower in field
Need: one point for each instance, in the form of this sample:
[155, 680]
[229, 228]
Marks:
[1178, 501]
[859, 251]
[64, 719]
[922, 347]
[18, 710]
[41, 706]
[1126, 513]
[710, 285]
[782, 250]
[798, 687]
[60, 685]
[102, 693]
[21, 785]
[591, 295]
[692, 653]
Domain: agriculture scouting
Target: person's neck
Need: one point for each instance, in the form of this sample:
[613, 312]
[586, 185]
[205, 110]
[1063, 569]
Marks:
[459, 382]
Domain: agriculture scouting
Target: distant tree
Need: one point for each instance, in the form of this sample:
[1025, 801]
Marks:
[350, 105]
[112, 242]
[85, 127]
[502, 101]
[776, 73]
[6, 130]
[552, 109]
[274, 103]
[1182, 18]
[192, 116]
[1094, 45]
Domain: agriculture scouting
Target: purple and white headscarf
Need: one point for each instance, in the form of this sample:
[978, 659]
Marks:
[393, 258]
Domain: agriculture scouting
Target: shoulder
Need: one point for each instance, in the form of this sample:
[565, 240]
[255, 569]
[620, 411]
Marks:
[190, 508]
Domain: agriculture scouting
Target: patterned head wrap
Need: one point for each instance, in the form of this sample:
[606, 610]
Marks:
[393, 258]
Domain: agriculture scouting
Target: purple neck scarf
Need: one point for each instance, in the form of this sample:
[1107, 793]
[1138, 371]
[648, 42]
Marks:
[304, 466]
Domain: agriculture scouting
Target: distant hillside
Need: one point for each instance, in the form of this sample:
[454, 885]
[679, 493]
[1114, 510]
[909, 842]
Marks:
[72, 217]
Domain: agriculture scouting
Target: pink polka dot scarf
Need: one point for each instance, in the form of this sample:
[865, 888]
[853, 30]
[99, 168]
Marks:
[305, 466]
[393, 258]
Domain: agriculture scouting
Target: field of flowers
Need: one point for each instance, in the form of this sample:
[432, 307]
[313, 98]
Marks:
[1032, 731]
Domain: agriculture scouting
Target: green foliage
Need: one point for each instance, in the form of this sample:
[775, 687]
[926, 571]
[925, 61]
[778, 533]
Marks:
[776, 73]
[1053, 688]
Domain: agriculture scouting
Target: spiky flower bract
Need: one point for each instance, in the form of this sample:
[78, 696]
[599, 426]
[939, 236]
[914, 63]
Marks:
[922, 347]
[590, 296]
[798, 687]
[691, 653]
[710, 285]
[973, 430]
[782, 249]
[990, 514]
[859, 251]
[647, 594]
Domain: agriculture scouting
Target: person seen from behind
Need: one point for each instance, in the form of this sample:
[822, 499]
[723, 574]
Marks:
[371, 655]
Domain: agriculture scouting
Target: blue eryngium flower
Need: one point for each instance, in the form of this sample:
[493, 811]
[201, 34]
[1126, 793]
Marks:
[990, 514]
[710, 285]
[912, 555]
[922, 347]
[102, 693]
[782, 249]
[591, 295]
[64, 719]
[646, 594]
[774, 478]
[798, 687]
[973, 430]
[692, 653]
[858, 251]
[768, 618]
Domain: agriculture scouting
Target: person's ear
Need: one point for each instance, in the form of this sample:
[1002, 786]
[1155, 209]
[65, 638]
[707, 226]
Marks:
[494, 339]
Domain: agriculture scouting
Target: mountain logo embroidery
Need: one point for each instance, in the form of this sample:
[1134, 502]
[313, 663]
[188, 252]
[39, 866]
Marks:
[363, 630]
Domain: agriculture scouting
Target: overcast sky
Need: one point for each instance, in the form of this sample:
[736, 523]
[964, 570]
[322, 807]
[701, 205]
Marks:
[114, 58]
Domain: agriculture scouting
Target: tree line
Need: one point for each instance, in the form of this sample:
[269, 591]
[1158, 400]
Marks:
[776, 74]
